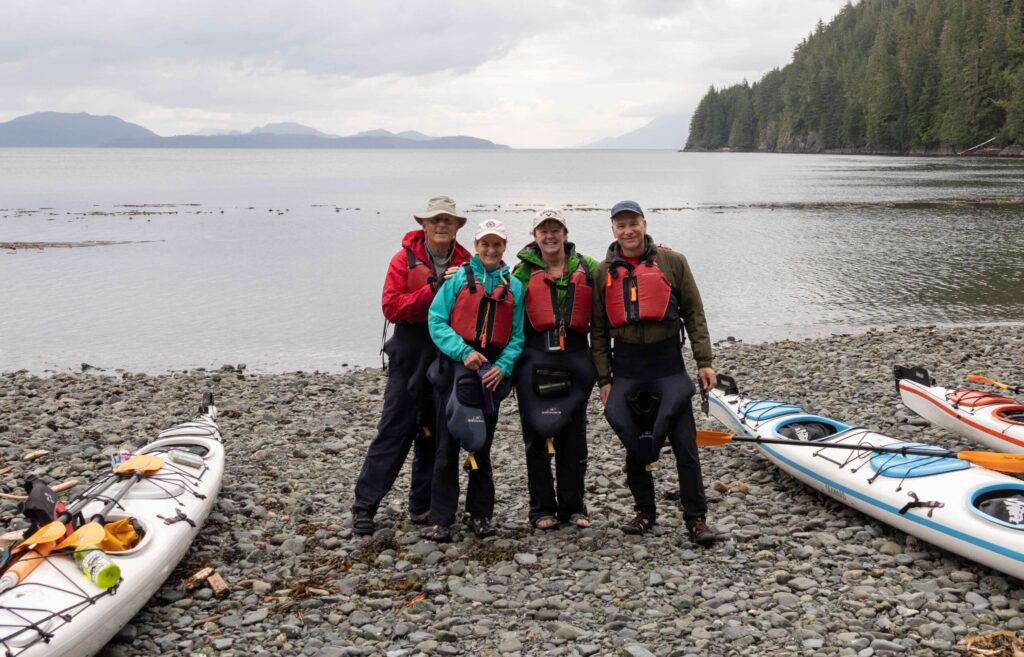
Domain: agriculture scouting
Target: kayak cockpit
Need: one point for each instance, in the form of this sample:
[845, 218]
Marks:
[1002, 504]
[809, 428]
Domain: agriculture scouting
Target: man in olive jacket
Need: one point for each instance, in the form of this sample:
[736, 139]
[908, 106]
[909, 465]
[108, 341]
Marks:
[643, 299]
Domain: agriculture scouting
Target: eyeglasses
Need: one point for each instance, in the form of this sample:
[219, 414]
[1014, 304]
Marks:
[439, 220]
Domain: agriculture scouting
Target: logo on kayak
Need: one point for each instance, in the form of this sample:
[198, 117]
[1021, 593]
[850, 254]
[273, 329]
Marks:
[835, 492]
[1015, 510]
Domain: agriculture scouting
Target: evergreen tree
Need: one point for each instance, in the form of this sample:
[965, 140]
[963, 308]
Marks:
[897, 74]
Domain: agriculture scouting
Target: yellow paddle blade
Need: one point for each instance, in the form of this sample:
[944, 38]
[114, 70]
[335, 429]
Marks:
[140, 463]
[90, 533]
[712, 438]
[977, 378]
[993, 461]
[48, 533]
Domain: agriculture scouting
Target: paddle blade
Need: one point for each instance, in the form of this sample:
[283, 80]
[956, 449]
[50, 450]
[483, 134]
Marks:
[712, 438]
[977, 378]
[48, 533]
[993, 461]
[90, 533]
[140, 463]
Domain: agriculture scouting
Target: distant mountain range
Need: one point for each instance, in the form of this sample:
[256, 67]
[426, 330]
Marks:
[662, 132]
[58, 129]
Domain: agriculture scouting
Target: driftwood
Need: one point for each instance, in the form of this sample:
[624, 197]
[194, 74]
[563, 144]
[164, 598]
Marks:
[36, 454]
[217, 583]
[974, 148]
[198, 577]
[10, 538]
[59, 488]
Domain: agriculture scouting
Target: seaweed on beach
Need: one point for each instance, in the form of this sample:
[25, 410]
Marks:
[23, 246]
[917, 204]
[993, 644]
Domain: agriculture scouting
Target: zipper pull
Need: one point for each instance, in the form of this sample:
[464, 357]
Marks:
[561, 336]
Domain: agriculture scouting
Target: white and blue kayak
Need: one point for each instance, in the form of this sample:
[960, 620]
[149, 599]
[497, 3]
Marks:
[969, 510]
[56, 611]
[991, 420]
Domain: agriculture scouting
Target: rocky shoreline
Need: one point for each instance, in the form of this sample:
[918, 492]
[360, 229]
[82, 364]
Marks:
[795, 573]
[810, 146]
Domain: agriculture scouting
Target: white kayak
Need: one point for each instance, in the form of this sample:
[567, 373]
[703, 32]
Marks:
[57, 612]
[991, 420]
[969, 510]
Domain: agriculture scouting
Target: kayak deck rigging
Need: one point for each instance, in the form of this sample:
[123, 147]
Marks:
[945, 499]
[55, 611]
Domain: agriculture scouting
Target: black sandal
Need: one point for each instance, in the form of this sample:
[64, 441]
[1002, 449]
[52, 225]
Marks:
[580, 521]
[480, 525]
[550, 523]
[439, 534]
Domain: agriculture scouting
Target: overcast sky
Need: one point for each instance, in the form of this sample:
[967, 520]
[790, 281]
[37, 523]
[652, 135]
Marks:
[541, 74]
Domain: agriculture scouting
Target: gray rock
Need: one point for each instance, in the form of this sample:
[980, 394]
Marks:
[475, 594]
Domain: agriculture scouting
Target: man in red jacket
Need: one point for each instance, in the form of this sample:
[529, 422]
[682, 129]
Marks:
[414, 275]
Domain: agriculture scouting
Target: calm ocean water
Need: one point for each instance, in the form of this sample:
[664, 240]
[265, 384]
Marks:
[276, 258]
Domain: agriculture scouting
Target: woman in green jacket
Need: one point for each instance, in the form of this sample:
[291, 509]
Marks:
[555, 374]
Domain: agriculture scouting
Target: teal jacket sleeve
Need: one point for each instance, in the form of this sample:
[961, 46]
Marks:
[510, 354]
[441, 332]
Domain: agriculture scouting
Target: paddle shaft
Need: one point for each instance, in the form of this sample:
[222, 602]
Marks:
[903, 451]
[102, 515]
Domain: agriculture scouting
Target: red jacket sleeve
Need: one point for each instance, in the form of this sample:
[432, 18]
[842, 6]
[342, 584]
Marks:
[398, 306]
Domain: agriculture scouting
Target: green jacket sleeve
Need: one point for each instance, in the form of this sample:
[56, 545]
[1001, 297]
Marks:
[441, 332]
[692, 311]
[510, 354]
[600, 339]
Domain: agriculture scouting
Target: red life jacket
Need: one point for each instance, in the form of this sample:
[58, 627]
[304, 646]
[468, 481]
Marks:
[418, 274]
[642, 294]
[483, 320]
[542, 307]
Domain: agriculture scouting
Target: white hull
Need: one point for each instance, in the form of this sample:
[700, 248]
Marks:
[58, 585]
[876, 488]
[981, 425]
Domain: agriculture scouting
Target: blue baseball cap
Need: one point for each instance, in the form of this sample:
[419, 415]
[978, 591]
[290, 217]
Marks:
[627, 206]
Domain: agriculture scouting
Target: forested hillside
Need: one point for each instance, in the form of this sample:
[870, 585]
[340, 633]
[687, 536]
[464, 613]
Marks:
[884, 76]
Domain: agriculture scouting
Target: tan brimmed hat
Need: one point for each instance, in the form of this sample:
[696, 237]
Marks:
[440, 205]
[552, 214]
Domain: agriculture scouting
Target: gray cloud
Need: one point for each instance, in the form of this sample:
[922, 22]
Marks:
[531, 73]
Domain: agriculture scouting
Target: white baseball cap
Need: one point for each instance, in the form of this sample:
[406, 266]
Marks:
[553, 214]
[491, 227]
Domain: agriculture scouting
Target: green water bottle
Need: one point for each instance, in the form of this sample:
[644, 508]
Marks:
[97, 566]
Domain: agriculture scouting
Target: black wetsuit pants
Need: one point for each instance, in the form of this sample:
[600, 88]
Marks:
[683, 439]
[570, 469]
[405, 422]
[444, 492]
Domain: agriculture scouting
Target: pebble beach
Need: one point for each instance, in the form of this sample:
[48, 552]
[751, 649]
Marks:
[794, 573]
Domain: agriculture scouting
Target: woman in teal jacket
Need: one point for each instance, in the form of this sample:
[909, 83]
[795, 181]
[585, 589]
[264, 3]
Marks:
[476, 321]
